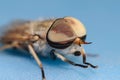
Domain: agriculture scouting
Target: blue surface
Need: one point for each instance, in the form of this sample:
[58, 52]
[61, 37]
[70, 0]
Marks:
[102, 20]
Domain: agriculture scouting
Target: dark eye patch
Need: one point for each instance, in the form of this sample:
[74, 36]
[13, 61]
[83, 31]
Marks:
[83, 38]
[77, 53]
[59, 45]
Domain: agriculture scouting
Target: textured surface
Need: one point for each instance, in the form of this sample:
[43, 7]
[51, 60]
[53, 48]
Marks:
[102, 20]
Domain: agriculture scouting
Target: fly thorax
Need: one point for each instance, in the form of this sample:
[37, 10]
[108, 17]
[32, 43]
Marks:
[38, 29]
[39, 46]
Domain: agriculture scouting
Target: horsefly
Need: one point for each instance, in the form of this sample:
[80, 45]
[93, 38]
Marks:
[50, 37]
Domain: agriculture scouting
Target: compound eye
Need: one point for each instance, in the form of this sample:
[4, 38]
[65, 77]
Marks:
[77, 26]
[61, 32]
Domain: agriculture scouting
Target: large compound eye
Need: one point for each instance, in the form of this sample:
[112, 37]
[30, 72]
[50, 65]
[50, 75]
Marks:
[61, 32]
[77, 26]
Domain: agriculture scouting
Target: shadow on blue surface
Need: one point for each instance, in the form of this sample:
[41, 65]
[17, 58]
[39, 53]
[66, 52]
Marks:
[27, 55]
[45, 60]
[51, 67]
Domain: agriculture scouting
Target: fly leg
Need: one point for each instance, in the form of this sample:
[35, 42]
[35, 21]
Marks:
[33, 53]
[52, 55]
[60, 56]
[14, 45]
[7, 46]
[84, 59]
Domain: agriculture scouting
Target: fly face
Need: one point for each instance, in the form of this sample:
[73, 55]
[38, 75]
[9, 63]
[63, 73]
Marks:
[67, 35]
[64, 31]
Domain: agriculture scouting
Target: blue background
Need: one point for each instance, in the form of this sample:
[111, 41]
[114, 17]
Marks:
[102, 21]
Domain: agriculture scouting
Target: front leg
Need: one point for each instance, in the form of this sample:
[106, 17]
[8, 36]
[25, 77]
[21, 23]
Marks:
[84, 59]
[52, 55]
[60, 56]
[33, 53]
